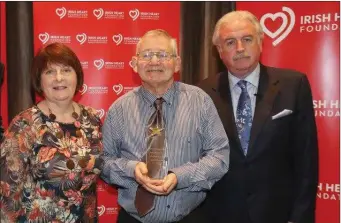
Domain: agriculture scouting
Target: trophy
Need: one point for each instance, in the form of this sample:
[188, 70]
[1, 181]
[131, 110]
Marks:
[156, 146]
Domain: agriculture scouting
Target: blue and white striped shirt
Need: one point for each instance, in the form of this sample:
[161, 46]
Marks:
[197, 148]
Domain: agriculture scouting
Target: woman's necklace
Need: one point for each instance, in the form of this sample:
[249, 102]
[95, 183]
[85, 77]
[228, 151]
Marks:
[53, 116]
[74, 115]
[84, 160]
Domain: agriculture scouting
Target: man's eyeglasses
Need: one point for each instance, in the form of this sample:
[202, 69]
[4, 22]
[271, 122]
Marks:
[161, 55]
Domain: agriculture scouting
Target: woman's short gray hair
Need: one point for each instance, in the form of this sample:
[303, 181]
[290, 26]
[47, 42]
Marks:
[236, 15]
[163, 33]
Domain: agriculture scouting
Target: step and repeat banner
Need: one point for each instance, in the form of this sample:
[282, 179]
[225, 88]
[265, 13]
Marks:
[3, 92]
[305, 36]
[104, 36]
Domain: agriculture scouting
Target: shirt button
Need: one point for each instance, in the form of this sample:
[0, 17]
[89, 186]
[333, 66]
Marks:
[168, 206]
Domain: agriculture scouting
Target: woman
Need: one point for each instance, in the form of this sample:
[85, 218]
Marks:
[50, 156]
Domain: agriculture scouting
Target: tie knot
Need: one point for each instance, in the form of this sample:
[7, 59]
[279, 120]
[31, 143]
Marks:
[158, 103]
[242, 85]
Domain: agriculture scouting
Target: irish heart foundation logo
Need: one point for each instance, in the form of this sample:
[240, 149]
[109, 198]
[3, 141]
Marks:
[117, 88]
[98, 13]
[61, 12]
[134, 14]
[117, 39]
[83, 89]
[284, 29]
[100, 112]
[101, 210]
[81, 38]
[44, 37]
[99, 64]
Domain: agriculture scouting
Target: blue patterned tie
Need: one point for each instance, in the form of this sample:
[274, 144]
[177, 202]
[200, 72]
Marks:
[244, 116]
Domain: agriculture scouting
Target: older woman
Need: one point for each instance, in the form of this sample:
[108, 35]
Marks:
[50, 156]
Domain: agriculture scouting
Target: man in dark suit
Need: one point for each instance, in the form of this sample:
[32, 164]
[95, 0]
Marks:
[269, 119]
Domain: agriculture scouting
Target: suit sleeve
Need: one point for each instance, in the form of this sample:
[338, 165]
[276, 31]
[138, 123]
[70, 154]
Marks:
[305, 157]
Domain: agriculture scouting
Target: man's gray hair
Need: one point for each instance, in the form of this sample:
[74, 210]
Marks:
[236, 15]
[163, 33]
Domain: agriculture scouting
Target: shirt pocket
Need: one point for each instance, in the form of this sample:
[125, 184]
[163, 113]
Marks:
[185, 149]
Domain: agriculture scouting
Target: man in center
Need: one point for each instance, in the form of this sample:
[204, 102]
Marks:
[165, 145]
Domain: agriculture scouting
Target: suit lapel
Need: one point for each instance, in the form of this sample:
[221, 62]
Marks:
[225, 110]
[267, 91]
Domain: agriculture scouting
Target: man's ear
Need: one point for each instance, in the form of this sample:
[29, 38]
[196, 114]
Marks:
[220, 50]
[134, 63]
[177, 64]
[260, 42]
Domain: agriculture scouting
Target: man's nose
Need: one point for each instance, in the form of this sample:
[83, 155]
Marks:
[240, 46]
[154, 59]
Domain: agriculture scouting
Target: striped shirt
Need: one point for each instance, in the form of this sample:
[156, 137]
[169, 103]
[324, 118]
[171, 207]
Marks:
[197, 149]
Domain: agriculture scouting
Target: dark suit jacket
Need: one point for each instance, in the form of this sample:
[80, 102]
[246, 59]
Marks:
[277, 181]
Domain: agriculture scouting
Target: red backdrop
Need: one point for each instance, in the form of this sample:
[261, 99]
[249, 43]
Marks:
[3, 93]
[300, 35]
[305, 36]
[104, 36]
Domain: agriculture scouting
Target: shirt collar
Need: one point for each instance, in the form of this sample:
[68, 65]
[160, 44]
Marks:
[252, 78]
[168, 96]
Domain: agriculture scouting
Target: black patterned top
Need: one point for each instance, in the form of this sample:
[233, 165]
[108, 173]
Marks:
[49, 169]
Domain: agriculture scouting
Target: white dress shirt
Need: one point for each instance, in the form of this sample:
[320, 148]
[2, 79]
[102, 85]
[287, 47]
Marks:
[252, 87]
